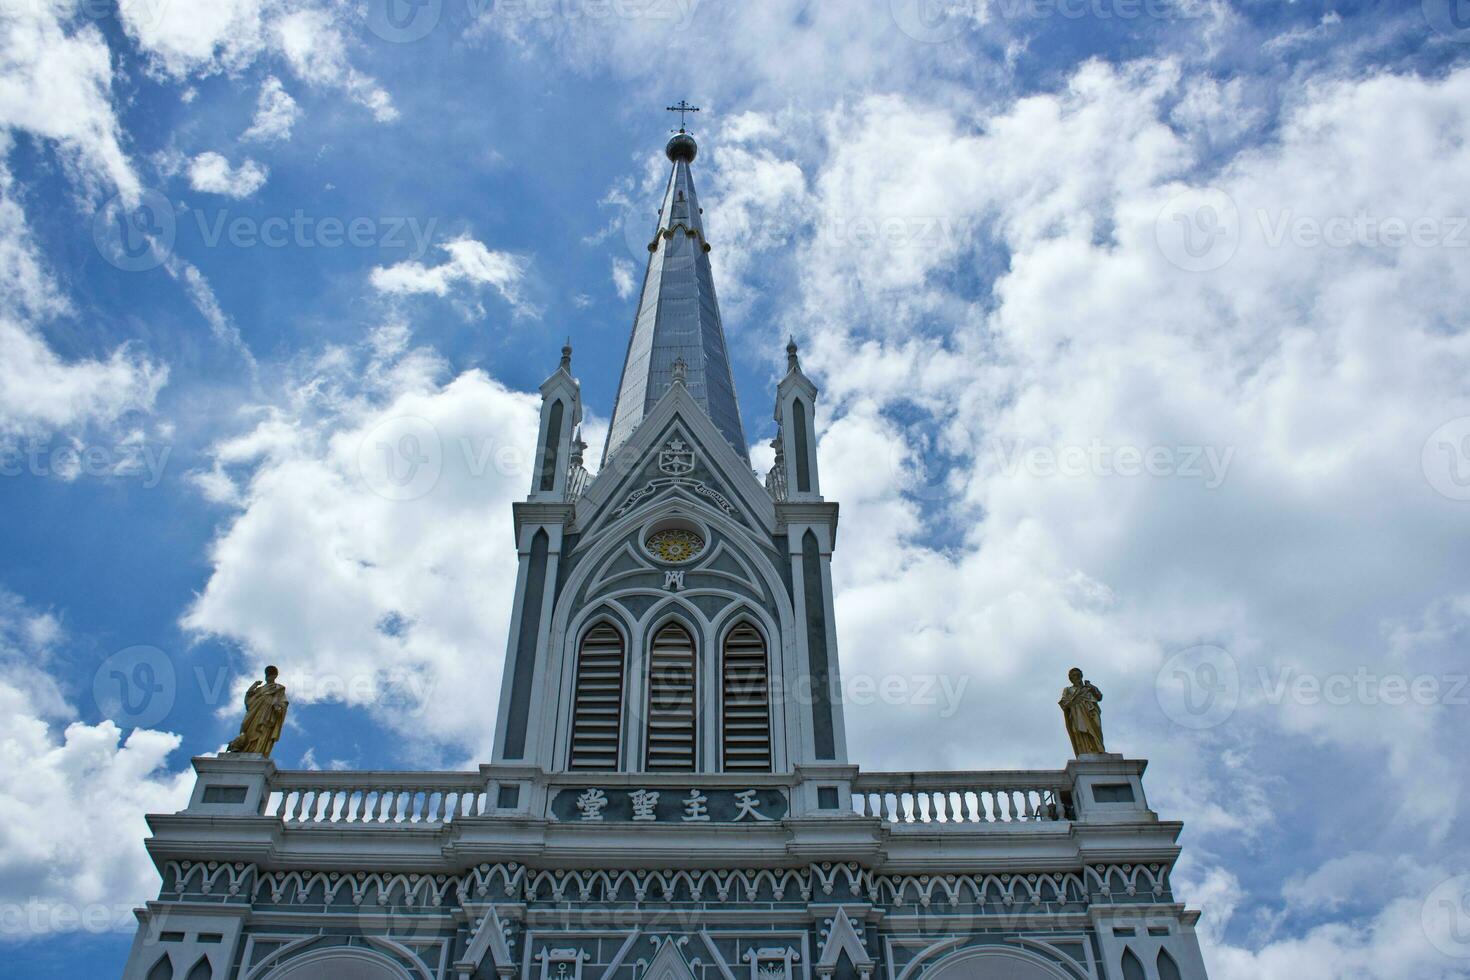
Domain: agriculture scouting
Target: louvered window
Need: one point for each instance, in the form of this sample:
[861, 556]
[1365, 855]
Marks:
[671, 726]
[747, 703]
[597, 711]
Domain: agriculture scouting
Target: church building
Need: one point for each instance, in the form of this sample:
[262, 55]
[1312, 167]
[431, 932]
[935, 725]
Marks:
[670, 795]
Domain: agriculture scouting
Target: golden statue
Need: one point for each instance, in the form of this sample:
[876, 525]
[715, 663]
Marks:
[1083, 714]
[265, 716]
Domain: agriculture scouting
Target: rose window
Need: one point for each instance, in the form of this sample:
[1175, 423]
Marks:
[674, 544]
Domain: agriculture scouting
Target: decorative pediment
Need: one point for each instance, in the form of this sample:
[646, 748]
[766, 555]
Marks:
[668, 963]
[842, 937]
[676, 448]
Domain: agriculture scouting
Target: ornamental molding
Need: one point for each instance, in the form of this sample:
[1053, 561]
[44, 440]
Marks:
[1103, 884]
[683, 483]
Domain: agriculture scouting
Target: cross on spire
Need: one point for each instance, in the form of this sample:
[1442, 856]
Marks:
[681, 109]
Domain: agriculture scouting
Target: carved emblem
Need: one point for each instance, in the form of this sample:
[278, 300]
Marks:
[676, 458]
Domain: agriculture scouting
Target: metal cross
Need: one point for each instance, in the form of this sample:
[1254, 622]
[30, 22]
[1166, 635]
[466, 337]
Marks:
[681, 108]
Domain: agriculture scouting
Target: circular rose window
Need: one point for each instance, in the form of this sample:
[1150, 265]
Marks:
[674, 544]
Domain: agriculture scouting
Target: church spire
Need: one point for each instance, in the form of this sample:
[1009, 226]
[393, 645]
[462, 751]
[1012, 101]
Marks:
[678, 317]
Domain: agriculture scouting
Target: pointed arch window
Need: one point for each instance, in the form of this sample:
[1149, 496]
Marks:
[549, 450]
[1132, 966]
[1167, 968]
[746, 704]
[803, 465]
[671, 701]
[597, 709]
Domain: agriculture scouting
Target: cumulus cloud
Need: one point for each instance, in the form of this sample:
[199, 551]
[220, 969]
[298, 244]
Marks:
[72, 795]
[470, 264]
[1002, 320]
[211, 172]
[275, 113]
[186, 40]
[345, 553]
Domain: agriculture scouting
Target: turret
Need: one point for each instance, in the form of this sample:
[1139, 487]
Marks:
[561, 414]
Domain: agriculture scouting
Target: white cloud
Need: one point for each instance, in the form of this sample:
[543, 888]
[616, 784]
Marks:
[275, 113]
[201, 37]
[72, 796]
[57, 85]
[622, 277]
[41, 392]
[351, 504]
[316, 50]
[209, 36]
[1012, 287]
[469, 264]
[211, 172]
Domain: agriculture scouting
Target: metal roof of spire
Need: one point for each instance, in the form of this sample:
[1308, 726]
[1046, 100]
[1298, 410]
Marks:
[678, 317]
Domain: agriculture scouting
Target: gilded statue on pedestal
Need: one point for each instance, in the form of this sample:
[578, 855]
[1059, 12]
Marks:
[265, 716]
[1083, 714]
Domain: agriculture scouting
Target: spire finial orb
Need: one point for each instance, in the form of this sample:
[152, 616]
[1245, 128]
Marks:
[681, 146]
[791, 362]
[566, 354]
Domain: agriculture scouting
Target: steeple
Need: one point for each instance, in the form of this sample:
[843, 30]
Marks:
[678, 316]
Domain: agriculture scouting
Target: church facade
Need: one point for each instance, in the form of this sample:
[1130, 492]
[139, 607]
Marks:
[670, 796]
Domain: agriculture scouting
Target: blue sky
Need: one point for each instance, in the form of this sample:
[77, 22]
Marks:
[1141, 334]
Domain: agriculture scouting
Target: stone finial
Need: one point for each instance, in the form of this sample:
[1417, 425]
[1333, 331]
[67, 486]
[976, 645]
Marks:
[578, 447]
[566, 356]
[681, 371]
[792, 364]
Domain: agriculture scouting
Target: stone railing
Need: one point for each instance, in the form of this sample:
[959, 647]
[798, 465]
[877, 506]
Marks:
[963, 797]
[367, 798]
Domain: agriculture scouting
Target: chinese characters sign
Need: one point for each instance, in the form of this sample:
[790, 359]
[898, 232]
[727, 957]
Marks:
[693, 805]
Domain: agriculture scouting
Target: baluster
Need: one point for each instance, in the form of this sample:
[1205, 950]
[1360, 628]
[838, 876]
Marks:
[300, 813]
[386, 799]
[1018, 805]
[974, 807]
[956, 803]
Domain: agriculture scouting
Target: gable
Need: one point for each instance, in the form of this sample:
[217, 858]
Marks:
[676, 446]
